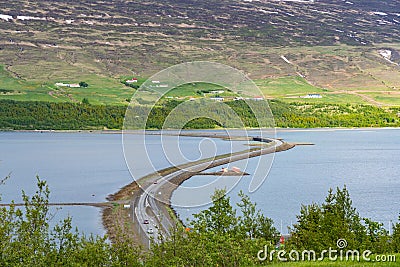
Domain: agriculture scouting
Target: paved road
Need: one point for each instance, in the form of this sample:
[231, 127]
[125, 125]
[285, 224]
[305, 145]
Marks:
[146, 207]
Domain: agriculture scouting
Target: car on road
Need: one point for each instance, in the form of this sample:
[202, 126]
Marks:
[150, 231]
[146, 222]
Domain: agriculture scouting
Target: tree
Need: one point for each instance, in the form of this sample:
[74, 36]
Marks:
[306, 233]
[219, 219]
[396, 237]
[217, 237]
[252, 223]
[26, 239]
[85, 101]
[320, 226]
[83, 84]
[377, 236]
[341, 219]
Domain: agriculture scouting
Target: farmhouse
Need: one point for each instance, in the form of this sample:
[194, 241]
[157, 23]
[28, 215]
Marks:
[134, 80]
[71, 85]
[218, 99]
[312, 96]
[217, 92]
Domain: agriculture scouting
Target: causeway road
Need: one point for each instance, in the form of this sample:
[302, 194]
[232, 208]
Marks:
[150, 207]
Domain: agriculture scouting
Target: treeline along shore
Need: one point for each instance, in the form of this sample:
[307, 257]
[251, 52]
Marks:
[32, 115]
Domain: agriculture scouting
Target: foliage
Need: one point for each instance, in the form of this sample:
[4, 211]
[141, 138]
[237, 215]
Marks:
[83, 84]
[132, 85]
[26, 238]
[29, 115]
[85, 101]
[58, 116]
[321, 226]
[218, 235]
[396, 237]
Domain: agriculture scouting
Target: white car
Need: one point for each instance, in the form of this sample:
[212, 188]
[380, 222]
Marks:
[150, 231]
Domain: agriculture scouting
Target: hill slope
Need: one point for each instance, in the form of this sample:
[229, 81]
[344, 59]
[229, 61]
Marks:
[335, 45]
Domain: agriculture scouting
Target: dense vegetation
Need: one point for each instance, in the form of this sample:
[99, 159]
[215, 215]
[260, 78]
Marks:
[26, 239]
[218, 236]
[335, 219]
[59, 116]
[78, 116]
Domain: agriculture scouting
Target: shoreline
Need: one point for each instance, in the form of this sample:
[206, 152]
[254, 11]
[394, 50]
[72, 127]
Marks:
[199, 131]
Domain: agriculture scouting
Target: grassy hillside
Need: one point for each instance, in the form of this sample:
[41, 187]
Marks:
[347, 54]
[336, 47]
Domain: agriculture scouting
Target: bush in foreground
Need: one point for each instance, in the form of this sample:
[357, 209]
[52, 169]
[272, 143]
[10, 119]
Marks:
[217, 236]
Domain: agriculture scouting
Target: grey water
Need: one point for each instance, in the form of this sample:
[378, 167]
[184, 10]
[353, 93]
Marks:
[366, 161]
[86, 167]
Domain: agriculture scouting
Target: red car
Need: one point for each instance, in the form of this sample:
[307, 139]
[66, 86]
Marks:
[146, 222]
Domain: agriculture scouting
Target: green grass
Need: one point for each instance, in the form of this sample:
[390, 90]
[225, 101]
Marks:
[326, 262]
[35, 96]
[7, 81]
[328, 99]
[389, 99]
[286, 86]
[111, 91]
[192, 89]
[101, 90]
[338, 263]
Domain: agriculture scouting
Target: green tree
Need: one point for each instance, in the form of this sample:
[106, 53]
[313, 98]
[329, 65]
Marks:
[83, 84]
[307, 232]
[252, 223]
[217, 237]
[377, 236]
[26, 239]
[341, 219]
[85, 101]
[396, 237]
[219, 219]
[320, 226]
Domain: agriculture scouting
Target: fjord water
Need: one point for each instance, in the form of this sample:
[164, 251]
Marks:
[366, 161]
[86, 167]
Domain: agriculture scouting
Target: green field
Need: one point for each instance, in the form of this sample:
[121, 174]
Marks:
[196, 89]
[386, 99]
[286, 86]
[111, 91]
[101, 90]
[328, 99]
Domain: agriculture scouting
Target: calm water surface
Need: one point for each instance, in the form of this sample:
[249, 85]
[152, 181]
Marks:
[87, 167]
[82, 167]
[366, 161]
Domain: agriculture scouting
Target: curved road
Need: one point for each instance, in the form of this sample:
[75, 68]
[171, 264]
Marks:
[146, 208]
